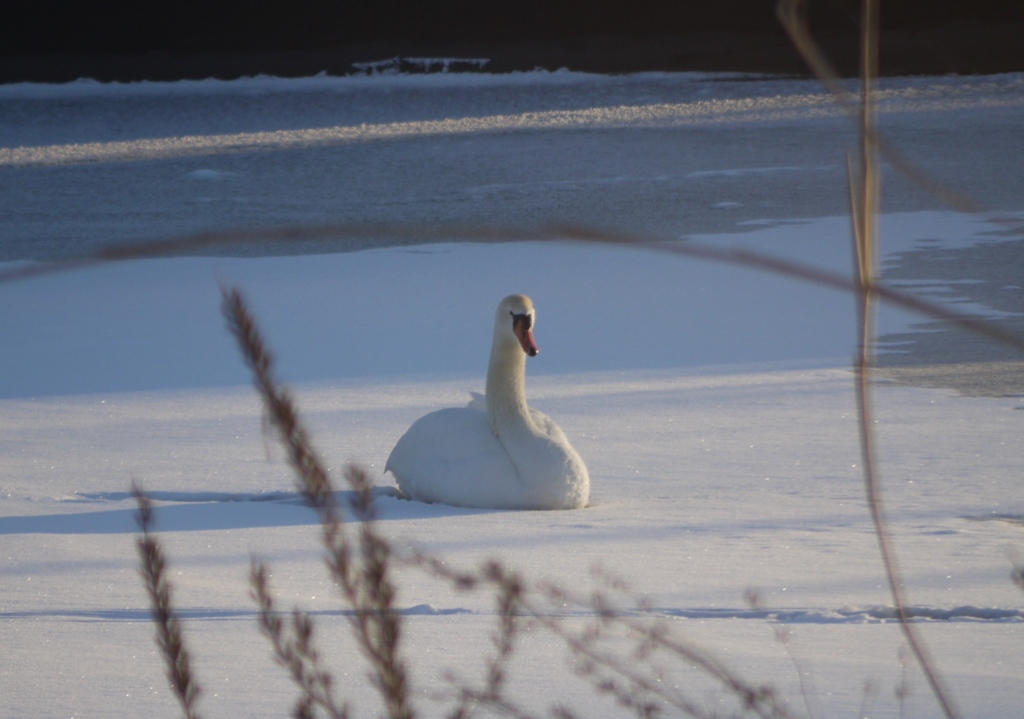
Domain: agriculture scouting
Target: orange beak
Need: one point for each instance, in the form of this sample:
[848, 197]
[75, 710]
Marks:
[521, 326]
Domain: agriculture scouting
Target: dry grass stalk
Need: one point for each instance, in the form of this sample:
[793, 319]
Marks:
[635, 679]
[169, 635]
[783, 636]
[311, 474]
[293, 649]
[372, 593]
[509, 596]
[364, 578]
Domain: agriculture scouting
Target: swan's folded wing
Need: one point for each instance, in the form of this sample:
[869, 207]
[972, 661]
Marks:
[452, 456]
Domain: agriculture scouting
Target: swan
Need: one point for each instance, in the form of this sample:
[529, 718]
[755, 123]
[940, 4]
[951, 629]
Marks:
[496, 452]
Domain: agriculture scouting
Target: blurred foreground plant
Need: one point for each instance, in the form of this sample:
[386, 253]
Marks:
[169, 635]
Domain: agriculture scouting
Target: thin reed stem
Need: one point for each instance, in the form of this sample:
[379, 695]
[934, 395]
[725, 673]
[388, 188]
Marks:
[509, 597]
[865, 183]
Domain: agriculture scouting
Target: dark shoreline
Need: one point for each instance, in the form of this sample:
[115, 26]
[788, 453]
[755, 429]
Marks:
[960, 48]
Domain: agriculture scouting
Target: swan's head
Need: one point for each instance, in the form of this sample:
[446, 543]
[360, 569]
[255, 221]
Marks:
[515, 320]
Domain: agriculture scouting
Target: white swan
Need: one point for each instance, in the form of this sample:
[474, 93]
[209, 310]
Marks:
[496, 452]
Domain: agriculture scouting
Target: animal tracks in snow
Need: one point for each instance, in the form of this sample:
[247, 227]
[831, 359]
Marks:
[858, 615]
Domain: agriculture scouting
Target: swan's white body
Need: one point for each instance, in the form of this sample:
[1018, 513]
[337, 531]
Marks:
[496, 452]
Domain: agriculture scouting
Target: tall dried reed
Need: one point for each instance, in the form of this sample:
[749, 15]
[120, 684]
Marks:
[865, 191]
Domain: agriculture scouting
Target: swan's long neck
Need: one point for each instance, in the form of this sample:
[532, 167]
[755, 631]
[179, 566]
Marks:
[506, 390]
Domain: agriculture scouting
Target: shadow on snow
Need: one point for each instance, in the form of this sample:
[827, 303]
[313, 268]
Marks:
[212, 511]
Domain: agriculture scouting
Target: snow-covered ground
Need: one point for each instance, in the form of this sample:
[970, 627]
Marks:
[713, 404]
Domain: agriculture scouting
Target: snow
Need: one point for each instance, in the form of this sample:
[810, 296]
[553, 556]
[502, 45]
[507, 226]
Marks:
[714, 405]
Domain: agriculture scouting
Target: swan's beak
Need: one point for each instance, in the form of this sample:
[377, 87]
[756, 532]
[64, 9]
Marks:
[524, 334]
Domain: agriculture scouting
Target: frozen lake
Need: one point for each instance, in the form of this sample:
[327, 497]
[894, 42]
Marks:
[83, 165]
[713, 405]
